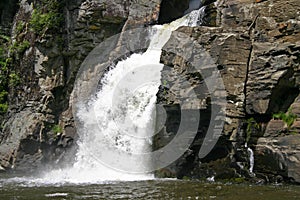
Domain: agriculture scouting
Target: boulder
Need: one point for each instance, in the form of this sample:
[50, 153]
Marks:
[279, 156]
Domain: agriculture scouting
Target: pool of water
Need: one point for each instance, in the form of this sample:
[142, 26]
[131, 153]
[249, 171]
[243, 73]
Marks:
[152, 189]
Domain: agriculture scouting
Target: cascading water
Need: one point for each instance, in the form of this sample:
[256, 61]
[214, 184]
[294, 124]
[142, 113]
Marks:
[251, 158]
[123, 115]
[196, 17]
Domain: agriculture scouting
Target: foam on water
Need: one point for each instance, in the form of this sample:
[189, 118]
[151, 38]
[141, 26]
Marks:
[120, 118]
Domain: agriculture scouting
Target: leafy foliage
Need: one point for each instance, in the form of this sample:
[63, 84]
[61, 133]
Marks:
[8, 78]
[57, 129]
[4, 62]
[14, 79]
[19, 48]
[165, 87]
[46, 16]
[288, 117]
[20, 26]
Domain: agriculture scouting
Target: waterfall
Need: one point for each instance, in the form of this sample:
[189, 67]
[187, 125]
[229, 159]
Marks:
[195, 17]
[251, 158]
[121, 116]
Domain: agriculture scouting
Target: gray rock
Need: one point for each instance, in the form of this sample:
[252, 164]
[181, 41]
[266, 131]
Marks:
[44, 96]
[279, 156]
[255, 48]
[253, 44]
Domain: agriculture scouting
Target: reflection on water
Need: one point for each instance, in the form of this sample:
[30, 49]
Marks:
[153, 189]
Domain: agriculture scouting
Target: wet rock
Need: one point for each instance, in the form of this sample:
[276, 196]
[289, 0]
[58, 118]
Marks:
[255, 48]
[279, 156]
[49, 68]
[21, 138]
[210, 16]
[295, 128]
[295, 107]
[254, 45]
[275, 128]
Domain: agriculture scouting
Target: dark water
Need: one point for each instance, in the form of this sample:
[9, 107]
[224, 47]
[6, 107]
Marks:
[154, 189]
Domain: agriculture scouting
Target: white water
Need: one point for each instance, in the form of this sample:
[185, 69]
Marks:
[251, 158]
[196, 17]
[119, 122]
[211, 179]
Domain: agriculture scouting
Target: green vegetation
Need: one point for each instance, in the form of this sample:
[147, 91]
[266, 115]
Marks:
[19, 48]
[23, 46]
[165, 82]
[14, 79]
[293, 133]
[40, 22]
[57, 129]
[46, 16]
[251, 125]
[8, 78]
[237, 180]
[4, 62]
[3, 107]
[288, 117]
[186, 178]
[20, 27]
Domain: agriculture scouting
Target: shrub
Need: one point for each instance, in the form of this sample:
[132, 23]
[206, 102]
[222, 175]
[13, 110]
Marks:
[46, 17]
[3, 75]
[57, 129]
[3, 95]
[288, 117]
[20, 27]
[14, 79]
[8, 78]
[20, 48]
[42, 21]
[23, 46]
[3, 108]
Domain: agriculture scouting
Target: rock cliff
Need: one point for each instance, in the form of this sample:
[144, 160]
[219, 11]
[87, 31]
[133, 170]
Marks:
[39, 126]
[254, 44]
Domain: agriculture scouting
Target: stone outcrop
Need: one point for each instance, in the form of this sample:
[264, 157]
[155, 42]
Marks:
[255, 47]
[278, 157]
[39, 126]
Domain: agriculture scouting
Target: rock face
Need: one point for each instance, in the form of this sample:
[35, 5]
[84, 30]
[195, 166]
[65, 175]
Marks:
[55, 37]
[255, 47]
[279, 157]
[39, 126]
